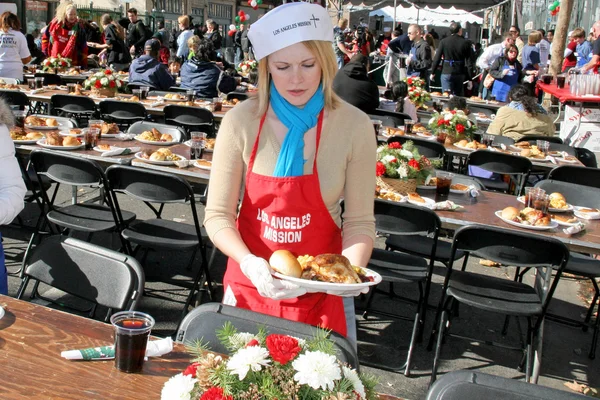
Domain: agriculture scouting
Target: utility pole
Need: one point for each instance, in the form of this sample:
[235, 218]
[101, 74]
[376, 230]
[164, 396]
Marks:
[560, 36]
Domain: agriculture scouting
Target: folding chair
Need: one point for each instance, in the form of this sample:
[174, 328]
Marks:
[14, 98]
[79, 107]
[460, 385]
[426, 148]
[397, 117]
[499, 295]
[190, 118]
[160, 234]
[585, 176]
[203, 321]
[89, 272]
[400, 268]
[237, 95]
[49, 79]
[505, 140]
[587, 157]
[500, 163]
[533, 138]
[123, 113]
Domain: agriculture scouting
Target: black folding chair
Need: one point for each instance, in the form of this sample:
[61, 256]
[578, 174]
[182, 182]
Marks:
[154, 187]
[86, 271]
[426, 148]
[80, 108]
[500, 295]
[190, 118]
[237, 95]
[203, 321]
[400, 268]
[461, 385]
[123, 113]
[49, 79]
[505, 140]
[585, 176]
[15, 98]
[587, 157]
[500, 163]
[533, 138]
[396, 116]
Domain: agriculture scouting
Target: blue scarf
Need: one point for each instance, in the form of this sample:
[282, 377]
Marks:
[298, 121]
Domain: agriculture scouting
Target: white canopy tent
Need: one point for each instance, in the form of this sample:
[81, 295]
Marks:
[427, 16]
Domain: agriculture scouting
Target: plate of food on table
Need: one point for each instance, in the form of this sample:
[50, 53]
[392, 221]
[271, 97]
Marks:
[533, 154]
[586, 212]
[391, 131]
[162, 156]
[482, 117]
[20, 136]
[528, 218]
[417, 200]
[464, 144]
[565, 219]
[557, 204]
[440, 94]
[209, 145]
[39, 123]
[109, 130]
[104, 147]
[430, 183]
[459, 188]
[231, 103]
[77, 132]
[203, 164]
[155, 137]
[57, 142]
[322, 272]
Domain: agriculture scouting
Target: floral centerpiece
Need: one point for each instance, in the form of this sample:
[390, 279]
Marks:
[418, 96]
[413, 81]
[400, 168]
[269, 366]
[56, 64]
[105, 83]
[246, 66]
[451, 126]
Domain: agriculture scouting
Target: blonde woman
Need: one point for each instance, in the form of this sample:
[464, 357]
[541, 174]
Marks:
[292, 152]
[184, 36]
[65, 36]
[13, 47]
[117, 54]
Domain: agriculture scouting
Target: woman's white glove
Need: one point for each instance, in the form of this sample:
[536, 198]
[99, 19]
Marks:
[258, 271]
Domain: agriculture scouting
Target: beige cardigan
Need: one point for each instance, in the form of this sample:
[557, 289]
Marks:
[516, 123]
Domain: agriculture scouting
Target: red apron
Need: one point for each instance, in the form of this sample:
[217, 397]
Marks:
[286, 213]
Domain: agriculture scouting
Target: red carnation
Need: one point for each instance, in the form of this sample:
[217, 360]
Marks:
[112, 84]
[440, 122]
[107, 72]
[460, 128]
[379, 168]
[215, 393]
[453, 112]
[191, 370]
[98, 84]
[253, 342]
[414, 163]
[409, 81]
[395, 145]
[282, 348]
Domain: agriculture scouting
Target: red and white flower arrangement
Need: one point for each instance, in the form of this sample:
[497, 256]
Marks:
[452, 122]
[269, 366]
[105, 79]
[246, 66]
[54, 63]
[403, 162]
[412, 81]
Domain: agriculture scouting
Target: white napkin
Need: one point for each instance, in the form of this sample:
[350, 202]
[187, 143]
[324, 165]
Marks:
[157, 103]
[552, 159]
[155, 348]
[446, 206]
[502, 146]
[125, 136]
[574, 229]
[120, 151]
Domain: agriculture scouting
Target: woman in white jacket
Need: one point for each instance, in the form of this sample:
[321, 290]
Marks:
[12, 187]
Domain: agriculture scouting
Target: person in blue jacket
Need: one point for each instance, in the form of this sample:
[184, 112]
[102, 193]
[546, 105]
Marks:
[148, 71]
[199, 73]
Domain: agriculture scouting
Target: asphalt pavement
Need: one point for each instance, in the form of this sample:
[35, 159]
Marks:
[382, 340]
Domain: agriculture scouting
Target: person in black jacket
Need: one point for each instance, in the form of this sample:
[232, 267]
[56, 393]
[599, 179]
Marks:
[199, 72]
[419, 61]
[137, 34]
[457, 61]
[146, 70]
[507, 72]
[245, 41]
[352, 84]
[117, 54]
[213, 34]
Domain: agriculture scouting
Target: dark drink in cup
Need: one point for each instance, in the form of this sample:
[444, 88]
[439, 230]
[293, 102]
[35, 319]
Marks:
[547, 79]
[31, 83]
[444, 180]
[20, 118]
[132, 329]
[39, 83]
[190, 95]
[560, 81]
[408, 125]
[217, 104]
[376, 126]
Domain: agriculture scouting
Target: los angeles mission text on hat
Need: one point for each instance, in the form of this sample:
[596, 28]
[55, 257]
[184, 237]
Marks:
[291, 26]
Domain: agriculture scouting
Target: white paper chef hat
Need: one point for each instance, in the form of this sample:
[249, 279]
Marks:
[289, 24]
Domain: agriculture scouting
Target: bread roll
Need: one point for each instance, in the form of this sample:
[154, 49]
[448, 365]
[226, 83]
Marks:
[525, 153]
[510, 213]
[156, 156]
[284, 262]
[51, 122]
[70, 141]
[34, 136]
[165, 137]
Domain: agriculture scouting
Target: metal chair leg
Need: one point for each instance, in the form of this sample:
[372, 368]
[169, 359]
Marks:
[411, 346]
[438, 347]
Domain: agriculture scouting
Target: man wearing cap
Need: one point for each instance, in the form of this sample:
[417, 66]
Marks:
[146, 70]
[290, 153]
[457, 57]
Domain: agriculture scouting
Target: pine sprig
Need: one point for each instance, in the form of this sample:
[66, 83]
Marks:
[369, 381]
[322, 342]
[197, 348]
[224, 334]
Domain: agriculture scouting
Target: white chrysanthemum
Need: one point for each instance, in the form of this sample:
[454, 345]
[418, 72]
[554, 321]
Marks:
[254, 357]
[93, 79]
[432, 120]
[388, 158]
[111, 77]
[407, 154]
[448, 116]
[240, 340]
[99, 74]
[104, 81]
[380, 149]
[317, 370]
[402, 170]
[119, 84]
[353, 377]
[178, 387]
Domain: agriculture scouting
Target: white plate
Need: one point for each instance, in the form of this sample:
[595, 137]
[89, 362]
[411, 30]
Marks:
[42, 143]
[521, 199]
[331, 287]
[512, 146]
[428, 202]
[424, 135]
[426, 187]
[561, 159]
[1, 312]
[96, 148]
[532, 159]
[138, 155]
[34, 141]
[155, 143]
[206, 167]
[110, 135]
[553, 223]
[459, 191]
[67, 133]
[463, 147]
[584, 215]
[42, 128]
[565, 223]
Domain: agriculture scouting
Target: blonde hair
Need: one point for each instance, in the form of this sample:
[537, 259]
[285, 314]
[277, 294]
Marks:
[193, 43]
[62, 10]
[323, 52]
[534, 38]
[184, 20]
